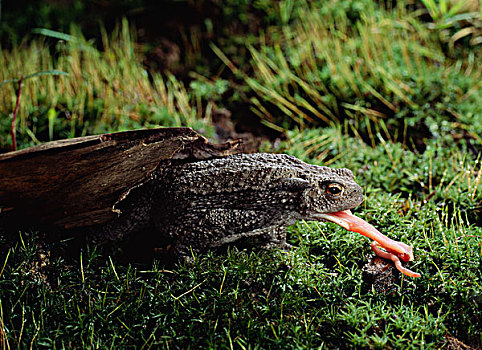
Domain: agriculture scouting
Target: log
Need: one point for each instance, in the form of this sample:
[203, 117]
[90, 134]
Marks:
[76, 182]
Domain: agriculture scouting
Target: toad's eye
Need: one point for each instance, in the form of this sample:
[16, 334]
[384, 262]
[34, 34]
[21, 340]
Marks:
[334, 189]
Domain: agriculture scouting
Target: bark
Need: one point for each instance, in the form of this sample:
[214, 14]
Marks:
[76, 182]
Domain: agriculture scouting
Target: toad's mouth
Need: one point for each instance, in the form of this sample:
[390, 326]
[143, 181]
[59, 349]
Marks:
[392, 249]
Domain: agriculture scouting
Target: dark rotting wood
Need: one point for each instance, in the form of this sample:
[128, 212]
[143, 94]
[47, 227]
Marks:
[76, 182]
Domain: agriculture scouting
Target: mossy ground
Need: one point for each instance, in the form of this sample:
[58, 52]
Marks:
[393, 93]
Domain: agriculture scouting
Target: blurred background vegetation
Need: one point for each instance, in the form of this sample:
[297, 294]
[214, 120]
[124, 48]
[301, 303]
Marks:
[409, 70]
[390, 89]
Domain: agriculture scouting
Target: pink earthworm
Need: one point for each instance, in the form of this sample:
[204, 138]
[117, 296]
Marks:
[398, 264]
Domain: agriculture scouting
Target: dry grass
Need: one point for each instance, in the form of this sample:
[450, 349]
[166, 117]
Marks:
[386, 70]
[105, 90]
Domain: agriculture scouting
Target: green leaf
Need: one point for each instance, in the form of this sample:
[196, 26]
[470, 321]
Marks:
[51, 115]
[45, 72]
[54, 34]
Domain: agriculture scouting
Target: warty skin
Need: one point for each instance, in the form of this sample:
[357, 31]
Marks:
[211, 203]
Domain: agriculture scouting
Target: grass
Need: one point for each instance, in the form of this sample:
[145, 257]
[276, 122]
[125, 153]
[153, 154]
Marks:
[387, 71]
[376, 91]
[105, 90]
